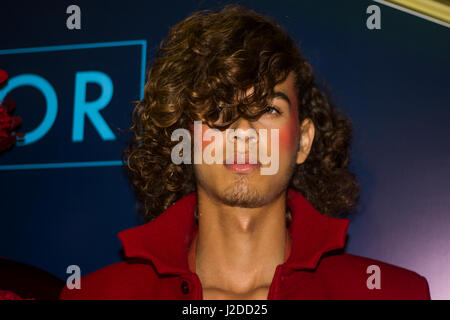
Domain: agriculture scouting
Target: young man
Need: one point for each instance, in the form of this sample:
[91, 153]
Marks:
[240, 229]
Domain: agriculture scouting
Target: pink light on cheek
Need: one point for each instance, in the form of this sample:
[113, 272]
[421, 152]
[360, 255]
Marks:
[205, 143]
[203, 128]
[289, 131]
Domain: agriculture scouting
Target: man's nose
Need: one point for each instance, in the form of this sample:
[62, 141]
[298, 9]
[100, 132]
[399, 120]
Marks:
[243, 129]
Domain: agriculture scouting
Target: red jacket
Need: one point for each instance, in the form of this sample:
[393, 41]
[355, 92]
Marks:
[157, 264]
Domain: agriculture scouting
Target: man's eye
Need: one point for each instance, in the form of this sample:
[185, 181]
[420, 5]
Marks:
[273, 110]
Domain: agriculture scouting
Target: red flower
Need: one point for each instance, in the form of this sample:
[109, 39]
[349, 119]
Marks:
[8, 123]
[3, 76]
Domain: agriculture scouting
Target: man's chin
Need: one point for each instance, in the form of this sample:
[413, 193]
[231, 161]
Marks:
[242, 193]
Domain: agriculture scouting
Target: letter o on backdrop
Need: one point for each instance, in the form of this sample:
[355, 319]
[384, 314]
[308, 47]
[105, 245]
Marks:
[51, 103]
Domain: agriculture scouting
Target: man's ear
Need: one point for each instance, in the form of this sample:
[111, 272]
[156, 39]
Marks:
[307, 132]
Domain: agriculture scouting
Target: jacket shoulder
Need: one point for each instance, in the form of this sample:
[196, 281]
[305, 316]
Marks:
[128, 279]
[366, 278]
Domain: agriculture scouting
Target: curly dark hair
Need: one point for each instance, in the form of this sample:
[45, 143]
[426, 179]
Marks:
[211, 59]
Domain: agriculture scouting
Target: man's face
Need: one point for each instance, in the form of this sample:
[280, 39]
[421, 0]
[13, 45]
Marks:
[244, 185]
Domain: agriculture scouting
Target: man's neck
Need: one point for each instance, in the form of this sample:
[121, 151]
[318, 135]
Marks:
[238, 249]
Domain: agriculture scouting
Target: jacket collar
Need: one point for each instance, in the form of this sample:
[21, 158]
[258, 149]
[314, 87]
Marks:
[165, 240]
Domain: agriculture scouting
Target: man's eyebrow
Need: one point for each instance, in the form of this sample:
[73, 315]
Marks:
[279, 94]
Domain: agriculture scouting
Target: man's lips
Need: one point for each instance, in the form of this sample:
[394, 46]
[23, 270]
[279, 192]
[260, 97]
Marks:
[242, 168]
[245, 167]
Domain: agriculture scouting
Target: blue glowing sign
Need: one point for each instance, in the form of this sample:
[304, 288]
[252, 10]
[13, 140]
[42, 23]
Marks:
[66, 76]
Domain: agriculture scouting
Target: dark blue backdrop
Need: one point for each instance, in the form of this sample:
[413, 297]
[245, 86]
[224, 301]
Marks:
[393, 83]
